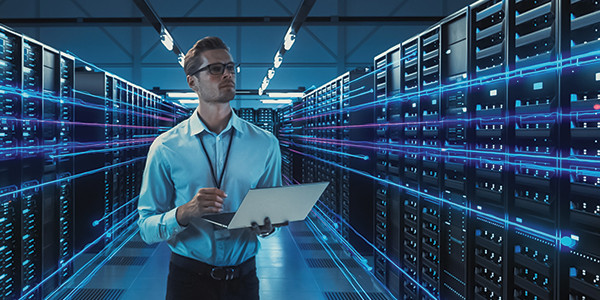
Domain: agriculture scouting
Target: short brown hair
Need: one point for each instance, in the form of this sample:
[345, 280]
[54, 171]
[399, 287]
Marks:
[191, 61]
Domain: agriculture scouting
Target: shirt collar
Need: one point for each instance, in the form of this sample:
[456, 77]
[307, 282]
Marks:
[196, 125]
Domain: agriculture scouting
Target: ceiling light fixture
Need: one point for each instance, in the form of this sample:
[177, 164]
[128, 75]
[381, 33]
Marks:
[276, 101]
[285, 95]
[181, 95]
[166, 39]
[288, 41]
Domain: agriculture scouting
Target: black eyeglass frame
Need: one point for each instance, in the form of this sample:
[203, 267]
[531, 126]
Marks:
[225, 66]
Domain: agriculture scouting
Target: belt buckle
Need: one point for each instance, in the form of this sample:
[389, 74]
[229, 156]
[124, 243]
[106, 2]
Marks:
[216, 273]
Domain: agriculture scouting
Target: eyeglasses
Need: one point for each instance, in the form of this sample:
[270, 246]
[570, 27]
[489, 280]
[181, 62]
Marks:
[217, 68]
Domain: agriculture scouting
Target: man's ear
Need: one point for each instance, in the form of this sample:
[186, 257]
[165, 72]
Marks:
[191, 82]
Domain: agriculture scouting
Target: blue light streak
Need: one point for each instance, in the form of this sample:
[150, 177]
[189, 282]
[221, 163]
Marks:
[341, 89]
[438, 152]
[361, 157]
[530, 230]
[78, 102]
[86, 248]
[340, 97]
[95, 67]
[146, 144]
[74, 176]
[77, 145]
[124, 110]
[376, 249]
[336, 111]
[340, 265]
[41, 121]
[100, 265]
[96, 222]
[501, 77]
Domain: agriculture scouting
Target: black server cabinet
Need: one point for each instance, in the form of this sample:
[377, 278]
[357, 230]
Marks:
[407, 135]
[489, 135]
[387, 221]
[284, 131]
[247, 114]
[91, 133]
[454, 245]
[531, 183]
[265, 119]
[430, 145]
[31, 166]
[580, 152]
[64, 192]
[57, 141]
[357, 202]
[36, 85]
[298, 126]
[10, 165]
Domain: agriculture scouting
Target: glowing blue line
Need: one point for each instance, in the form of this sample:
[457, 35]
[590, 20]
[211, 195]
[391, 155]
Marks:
[79, 123]
[335, 111]
[525, 72]
[99, 266]
[76, 145]
[419, 193]
[338, 262]
[95, 223]
[100, 150]
[73, 176]
[362, 157]
[327, 103]
[379, 251]
[350, 248]
[397, 148]
[347, 244]
[76, 101]
[127, 105]
[66, 264]
[92, 65]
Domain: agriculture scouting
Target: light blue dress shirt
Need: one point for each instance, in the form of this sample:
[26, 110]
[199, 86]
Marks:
[176, 168]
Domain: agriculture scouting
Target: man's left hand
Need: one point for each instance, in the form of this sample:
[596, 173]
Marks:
[264, 230]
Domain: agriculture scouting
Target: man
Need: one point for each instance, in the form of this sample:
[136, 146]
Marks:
[204, 165]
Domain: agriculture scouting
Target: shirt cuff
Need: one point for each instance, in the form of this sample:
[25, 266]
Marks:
[171, 224]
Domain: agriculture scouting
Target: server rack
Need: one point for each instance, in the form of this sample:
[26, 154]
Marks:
[247, 114]
[10, 108]
[354, 188]
[455, 244]
[510, 151]
[265, 119]
[36, 142]
[580, 104]
[56, 124]
[326, 147]
[387, 199]
[284, 128]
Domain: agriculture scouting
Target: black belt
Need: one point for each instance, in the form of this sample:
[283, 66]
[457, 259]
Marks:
[215, 272]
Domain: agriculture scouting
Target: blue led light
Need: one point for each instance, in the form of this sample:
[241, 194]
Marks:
[568, 241]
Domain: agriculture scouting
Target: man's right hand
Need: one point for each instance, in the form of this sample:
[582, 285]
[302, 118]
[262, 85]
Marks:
[206, 201]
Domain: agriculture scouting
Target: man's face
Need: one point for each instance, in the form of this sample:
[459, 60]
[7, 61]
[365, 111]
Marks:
[219, 88]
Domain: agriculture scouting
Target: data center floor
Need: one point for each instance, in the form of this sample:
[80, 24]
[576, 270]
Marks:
[291, 265]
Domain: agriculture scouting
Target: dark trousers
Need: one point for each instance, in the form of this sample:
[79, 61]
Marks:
[185, 283]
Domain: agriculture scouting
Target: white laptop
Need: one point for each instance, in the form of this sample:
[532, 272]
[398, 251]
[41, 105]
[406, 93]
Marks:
[281, 204]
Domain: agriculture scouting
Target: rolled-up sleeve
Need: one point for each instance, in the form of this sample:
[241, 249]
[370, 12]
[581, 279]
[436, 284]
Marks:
[156, 204]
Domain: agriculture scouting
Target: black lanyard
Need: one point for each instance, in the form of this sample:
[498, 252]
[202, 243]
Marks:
[212, 170]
